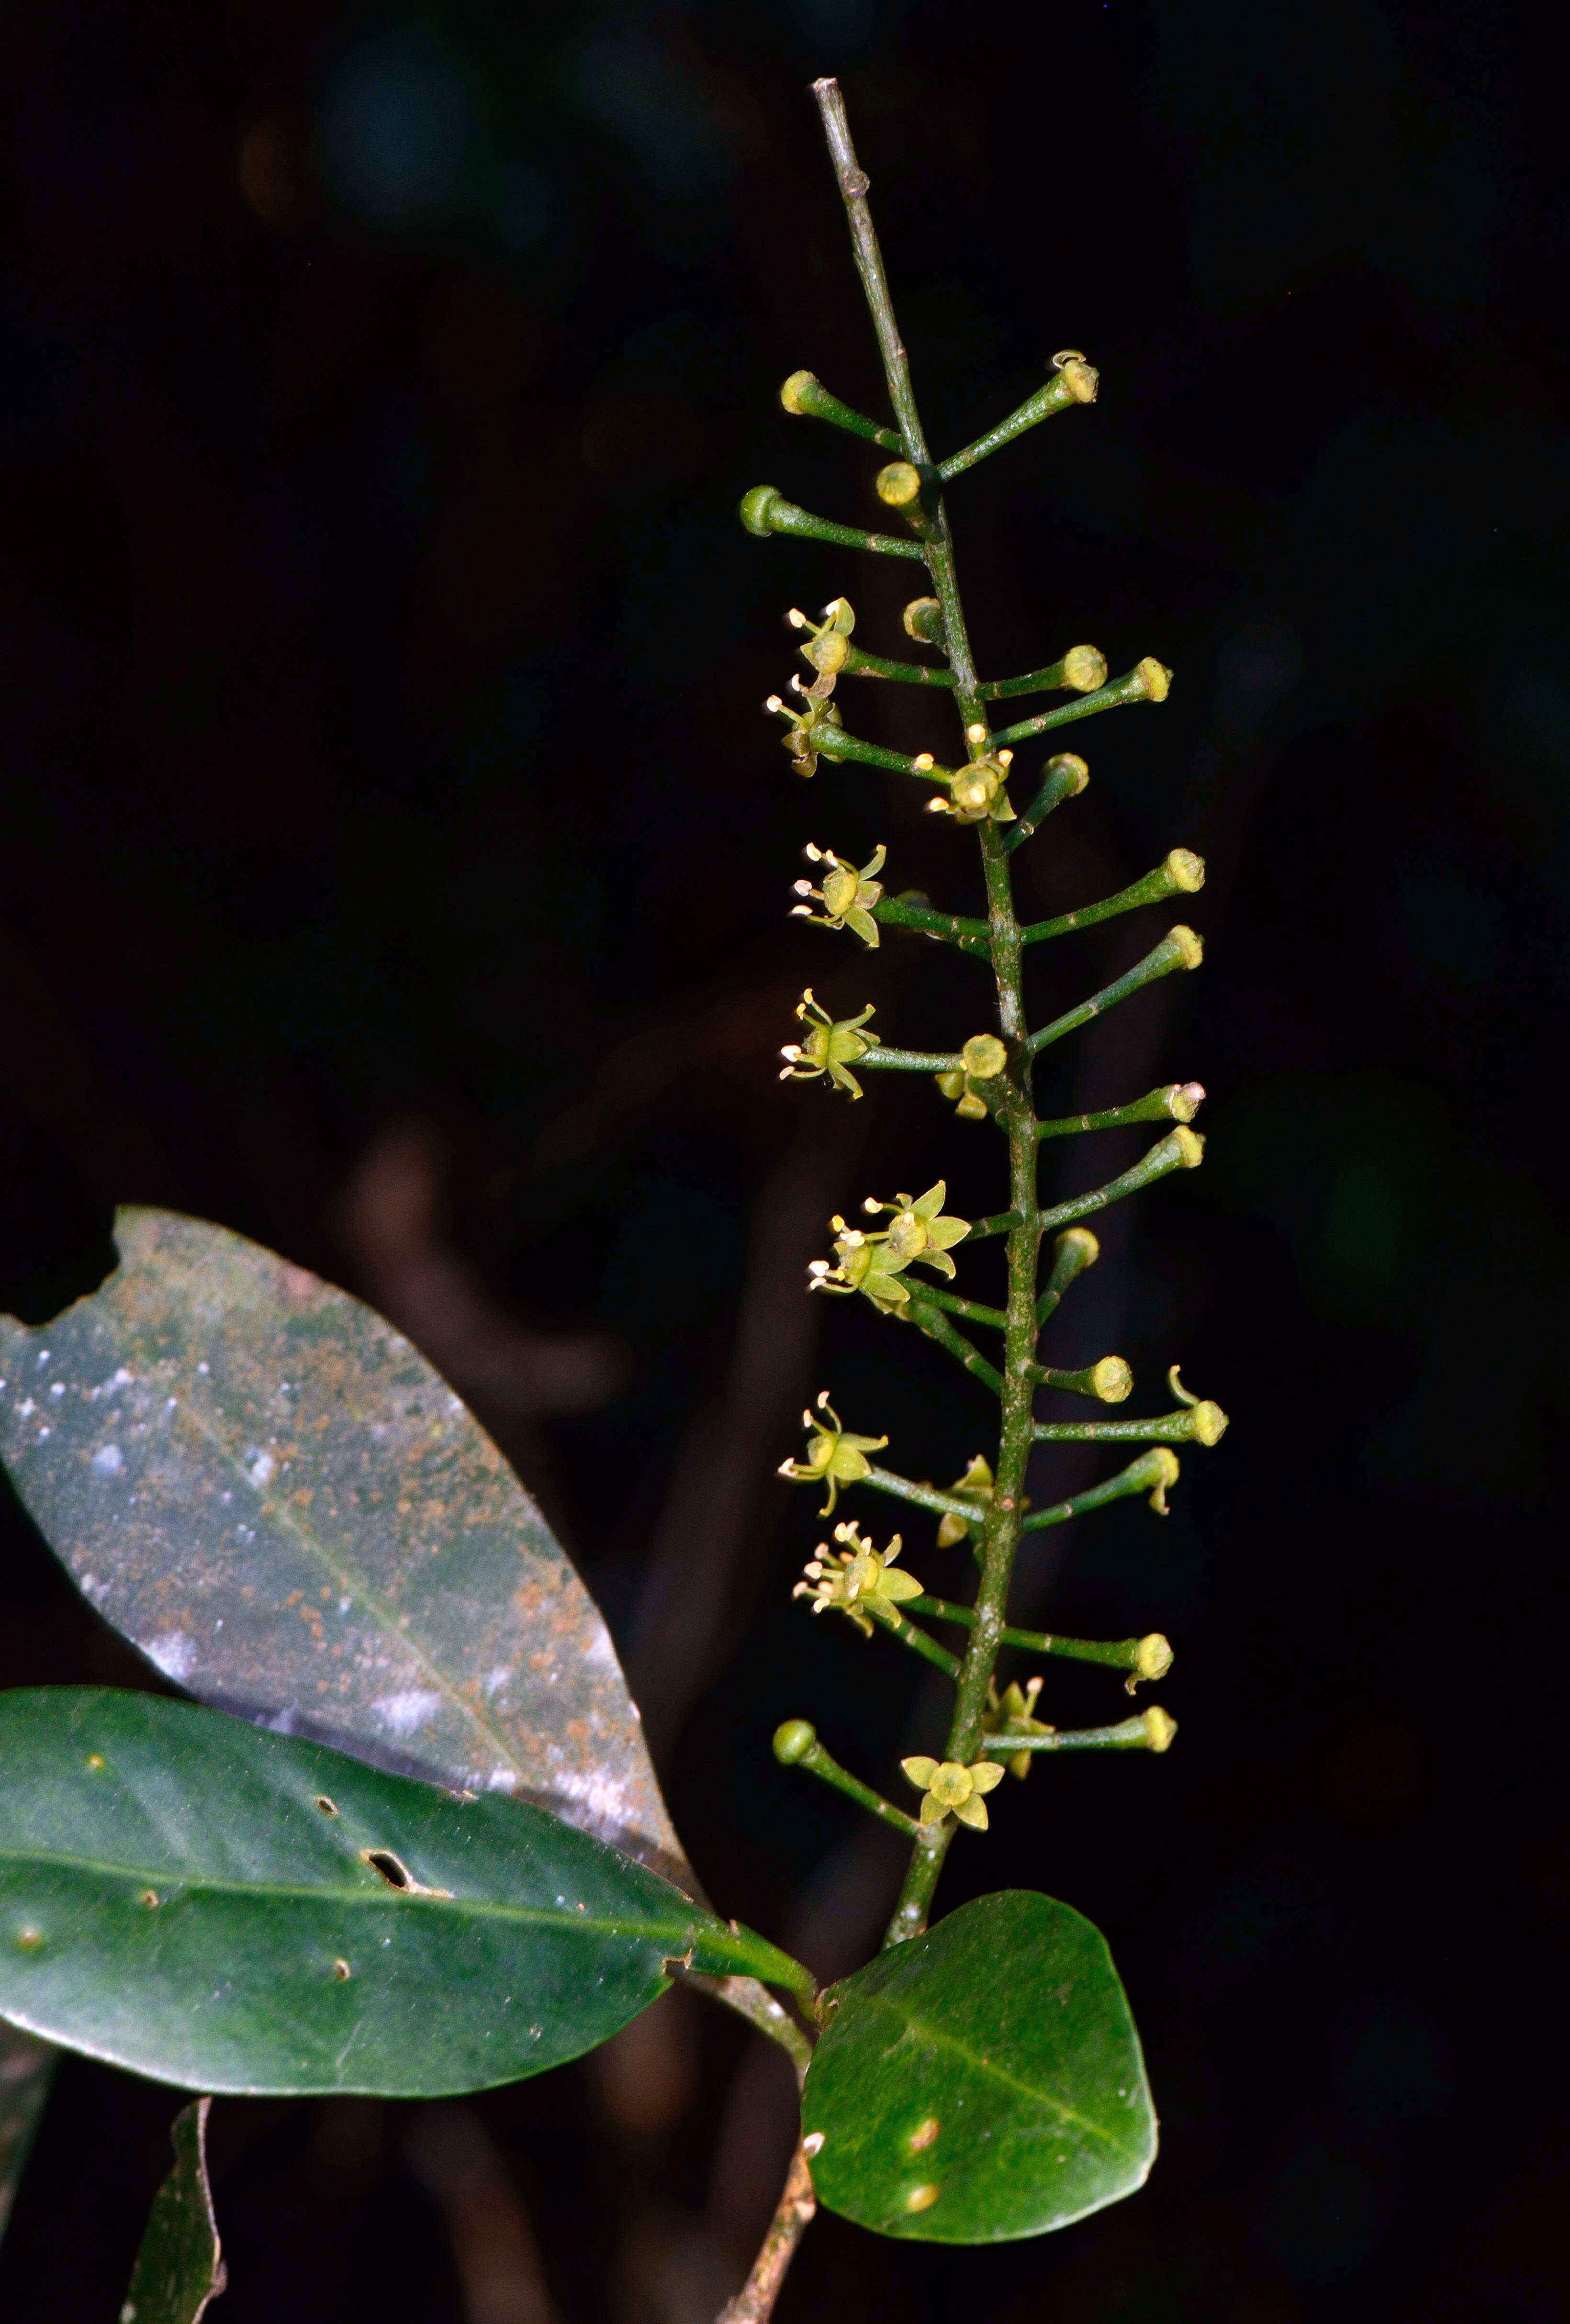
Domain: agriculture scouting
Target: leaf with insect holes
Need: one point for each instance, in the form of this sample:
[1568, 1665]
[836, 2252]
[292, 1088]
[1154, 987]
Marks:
[205, 1903]
[982, 2081]
[26, 2070]
[179, 2269]
[275, 1497]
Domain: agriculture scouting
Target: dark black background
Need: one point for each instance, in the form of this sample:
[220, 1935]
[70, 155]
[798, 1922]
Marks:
[394, 868]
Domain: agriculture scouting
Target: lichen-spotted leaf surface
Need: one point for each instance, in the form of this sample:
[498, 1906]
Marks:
[179, 2269]
[273, 1495]
[983, 2081]
[26, 2069]
[227, 1909]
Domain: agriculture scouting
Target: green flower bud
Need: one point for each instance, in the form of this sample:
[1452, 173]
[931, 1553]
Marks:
[1190, 948]
[756, 507]
[1110, 1379]
[923, 621]
[1083, 668]
[898, 484]
[981, 1060]
[790, 393]
[1152, 1657]
[1185, 870]
[1158, 680]
[1160, 1728]
[983, 1056]
[793, 1740]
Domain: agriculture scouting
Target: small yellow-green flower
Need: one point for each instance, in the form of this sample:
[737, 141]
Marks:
[871, 1261]
[1010, 1714]
[828, 1047]
[976, 792]
[828, 648]
[976, 1485]
[847, 896]
[954, 1790]
[833, 1454]
[856, 1579]
[811, 725]
[916, 1234]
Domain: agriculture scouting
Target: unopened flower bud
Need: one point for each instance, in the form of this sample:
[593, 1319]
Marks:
[1185, 870]
[923, 621]
[1190, 1144]
[793, 1740]
[1184, 1100]
[1066, 765]
[1190, 948]
[1152, 1657]
[1110, 1379]
[1157, 677]
[898, 484]
[790, 393]
[1161, 1727]
[975, 733]
[1078, 1248]
[1081, 378]
[1083, 668]
[1208, 1423]
[756, 507]
[983, 1056]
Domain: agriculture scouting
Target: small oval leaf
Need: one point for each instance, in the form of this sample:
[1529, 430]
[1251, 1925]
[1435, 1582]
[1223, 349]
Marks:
[179, 2269]
[274, 1496]
[983, 2081]
[173, 1899]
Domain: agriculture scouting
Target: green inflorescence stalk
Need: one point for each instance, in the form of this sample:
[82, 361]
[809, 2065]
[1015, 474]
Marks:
[992, 1078]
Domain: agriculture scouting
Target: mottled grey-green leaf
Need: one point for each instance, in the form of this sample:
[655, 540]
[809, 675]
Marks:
[26, 2070]
[273, 1495]
[227, 1909]
[179, 2269]
[983, 2081]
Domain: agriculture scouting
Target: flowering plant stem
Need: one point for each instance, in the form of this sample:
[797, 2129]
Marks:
[990, 1078]
[1001, 1538]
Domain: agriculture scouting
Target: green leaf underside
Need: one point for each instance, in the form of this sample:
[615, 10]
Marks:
[179, 2268]
[26, 2069]
[280, 1502]
[276, 1958]
[993, 2060]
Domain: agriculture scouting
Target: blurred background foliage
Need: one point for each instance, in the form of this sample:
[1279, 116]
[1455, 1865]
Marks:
[396, 868]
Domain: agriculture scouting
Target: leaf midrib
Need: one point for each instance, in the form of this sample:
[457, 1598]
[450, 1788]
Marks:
[912, 2023]
[385, 1899]
[315, 1548]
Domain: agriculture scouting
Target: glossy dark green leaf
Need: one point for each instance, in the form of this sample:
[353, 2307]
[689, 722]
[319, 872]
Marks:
[179, 2268]
[983, 2081]
[26, 2070]
[278, 1500]
[232, 1910]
